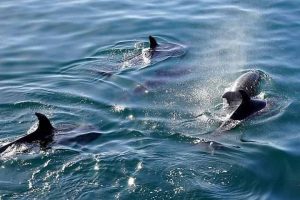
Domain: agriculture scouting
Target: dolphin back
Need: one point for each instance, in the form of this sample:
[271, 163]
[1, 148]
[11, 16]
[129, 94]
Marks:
[43, 133]
[248, 82]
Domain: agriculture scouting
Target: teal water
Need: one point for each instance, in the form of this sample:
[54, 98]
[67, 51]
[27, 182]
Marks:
[73, 61]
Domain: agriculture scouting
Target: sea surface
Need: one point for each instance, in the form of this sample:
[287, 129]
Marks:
[81, 63]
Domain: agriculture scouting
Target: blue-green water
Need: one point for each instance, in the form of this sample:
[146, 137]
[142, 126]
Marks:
[69, 61]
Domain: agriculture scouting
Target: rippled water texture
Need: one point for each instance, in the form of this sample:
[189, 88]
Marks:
[136, 127]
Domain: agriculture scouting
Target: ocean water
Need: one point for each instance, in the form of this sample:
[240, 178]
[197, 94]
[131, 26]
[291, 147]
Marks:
[81, 64]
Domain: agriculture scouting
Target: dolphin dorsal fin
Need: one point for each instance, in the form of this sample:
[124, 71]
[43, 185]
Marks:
[247, 107]
[153, 43]
[44, 123]
[244, 95]
[231, 96]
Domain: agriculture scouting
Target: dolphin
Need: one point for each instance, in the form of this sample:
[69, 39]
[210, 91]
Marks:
[247, 107]
[241, 105]
[240, 96]
[45, 132]
[162, 50]
[248, 82]
[154, 53]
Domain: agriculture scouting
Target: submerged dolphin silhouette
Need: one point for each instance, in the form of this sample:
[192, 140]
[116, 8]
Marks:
[248, 82]
[44, 135]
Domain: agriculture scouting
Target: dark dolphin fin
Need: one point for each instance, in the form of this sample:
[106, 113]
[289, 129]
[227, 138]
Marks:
[44, 123]
[42, 133]
[153, 43]
[247, 107]
[245, 96]
[231, 96]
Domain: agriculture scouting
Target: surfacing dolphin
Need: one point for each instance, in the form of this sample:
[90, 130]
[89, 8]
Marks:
[249, 82]
[155, 53]
[240, 96]
[242, 105]
[45, 132]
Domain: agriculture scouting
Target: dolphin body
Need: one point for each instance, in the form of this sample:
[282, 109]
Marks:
[155, 53]
[241, 105]
[248, 82]
[44, 135]
[241, 93]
